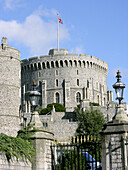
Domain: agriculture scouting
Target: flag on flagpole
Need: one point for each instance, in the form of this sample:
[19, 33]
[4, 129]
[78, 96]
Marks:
[60, 20]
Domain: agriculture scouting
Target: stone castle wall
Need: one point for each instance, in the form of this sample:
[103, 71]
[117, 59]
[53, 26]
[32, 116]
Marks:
[61, 128]
[14, 164]
[67, 75]
[9, 88]
[63, 124]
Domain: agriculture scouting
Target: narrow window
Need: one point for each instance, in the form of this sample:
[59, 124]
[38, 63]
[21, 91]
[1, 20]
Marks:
[77, 72]
[78, 97]
[43, 64]
[66, 63]
[57, 83]
[52, 64]
[108, 95]
[56, 72]
[61, 63]
[57, 65]
[87, 64]
[39, 74]
[87, 84]
[98, 100]
[75, 62]
[40, 85]
[57, 98]
[78, 83]
[104, 101]
[48, 65]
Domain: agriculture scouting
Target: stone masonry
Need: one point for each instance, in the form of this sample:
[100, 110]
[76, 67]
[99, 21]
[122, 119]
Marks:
[61, 127]
[10, 92]
[9, 88]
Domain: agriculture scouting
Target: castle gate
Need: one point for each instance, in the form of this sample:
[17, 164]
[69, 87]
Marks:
[80, 153]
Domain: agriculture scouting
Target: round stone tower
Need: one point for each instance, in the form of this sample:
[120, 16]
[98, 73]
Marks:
[9, 89]
[65, 78]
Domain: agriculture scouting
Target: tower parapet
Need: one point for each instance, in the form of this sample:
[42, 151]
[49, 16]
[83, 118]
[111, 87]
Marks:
[9, 88]
[56, 52]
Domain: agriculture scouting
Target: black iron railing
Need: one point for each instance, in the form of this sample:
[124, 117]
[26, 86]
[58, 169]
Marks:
[80, 153]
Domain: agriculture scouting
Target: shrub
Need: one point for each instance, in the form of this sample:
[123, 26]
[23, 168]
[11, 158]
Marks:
[45, 111]
[58, 108]
[94, 104]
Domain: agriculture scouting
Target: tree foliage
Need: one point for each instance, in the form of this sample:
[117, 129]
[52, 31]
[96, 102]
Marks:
[27, 132]
[90, 122]
[58, 108]
[19, 146]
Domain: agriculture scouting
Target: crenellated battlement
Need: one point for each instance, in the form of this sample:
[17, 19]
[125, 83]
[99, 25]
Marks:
[57, 52]
[63, 59]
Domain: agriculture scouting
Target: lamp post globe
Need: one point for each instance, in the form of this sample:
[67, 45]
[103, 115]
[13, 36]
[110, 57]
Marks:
[119, 87]
[34, 97]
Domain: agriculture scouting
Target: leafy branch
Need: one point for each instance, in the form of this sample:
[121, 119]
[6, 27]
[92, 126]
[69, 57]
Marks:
[19, 146]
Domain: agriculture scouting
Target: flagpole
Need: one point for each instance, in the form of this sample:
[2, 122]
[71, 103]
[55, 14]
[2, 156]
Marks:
[57, 33]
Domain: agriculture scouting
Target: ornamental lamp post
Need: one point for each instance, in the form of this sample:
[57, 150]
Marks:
[119, 88]
[34, 97]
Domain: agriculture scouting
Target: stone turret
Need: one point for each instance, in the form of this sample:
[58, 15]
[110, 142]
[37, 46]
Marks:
[9, 89]
[4, 42]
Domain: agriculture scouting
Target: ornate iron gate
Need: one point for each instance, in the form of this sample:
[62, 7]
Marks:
[80, 153]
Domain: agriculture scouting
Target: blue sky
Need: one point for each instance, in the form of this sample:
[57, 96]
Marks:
[95, 27]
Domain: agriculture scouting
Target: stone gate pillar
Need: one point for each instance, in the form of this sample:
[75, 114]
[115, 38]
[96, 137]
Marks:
[114, 155]
[42, 141]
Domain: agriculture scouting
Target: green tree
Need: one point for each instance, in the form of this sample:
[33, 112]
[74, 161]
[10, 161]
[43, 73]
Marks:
[90, 122]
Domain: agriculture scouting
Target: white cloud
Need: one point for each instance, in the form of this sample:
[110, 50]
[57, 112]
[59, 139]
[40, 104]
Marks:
[35, 32]
[78, 50]
[11, 4]
[51, 13]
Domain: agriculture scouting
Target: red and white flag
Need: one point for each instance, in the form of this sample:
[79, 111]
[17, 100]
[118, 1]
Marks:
[60, 20]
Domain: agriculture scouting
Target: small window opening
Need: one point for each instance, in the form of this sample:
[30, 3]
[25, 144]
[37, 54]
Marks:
[57, 83]
[78, 83]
